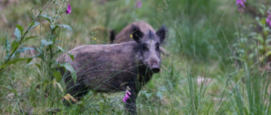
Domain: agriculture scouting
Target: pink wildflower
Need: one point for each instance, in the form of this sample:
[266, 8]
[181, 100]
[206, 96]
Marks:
[138, 4]
[69, 10]
[127, 96]
[268, 19]
[241, 5]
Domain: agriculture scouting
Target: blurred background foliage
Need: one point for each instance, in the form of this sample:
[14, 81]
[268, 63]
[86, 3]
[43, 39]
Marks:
[188, 22]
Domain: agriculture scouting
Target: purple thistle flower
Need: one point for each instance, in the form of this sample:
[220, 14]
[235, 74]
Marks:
[69, 10]
[127, 96]
[138, 4]
[240, 4]
[268, 19]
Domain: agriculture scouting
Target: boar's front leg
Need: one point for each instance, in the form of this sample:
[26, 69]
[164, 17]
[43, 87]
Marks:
[77, 90]
[130, 104]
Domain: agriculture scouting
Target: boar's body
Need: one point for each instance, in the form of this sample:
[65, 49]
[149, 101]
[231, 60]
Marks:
[113, 67]
[105, 68]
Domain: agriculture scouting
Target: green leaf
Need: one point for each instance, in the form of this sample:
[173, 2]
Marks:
[62, 50]
[34, 24]
[29, 38]
[159, 94]
[47, 17]
[40, 55]
[70, 68]
[71, 56]
[66, 27]
[16, 60]
[7, 45]
[17, 33]
[31, 63]
[268, 53]
[29, 60]
[12, 62]
[38, 49]
[7, 87]
[268, 41]
[148, 95]
[46, 43]
[261, 11]
[14, 45]
[38, 65]
[259, 38]
[262, 22]
[24, 49]
[20, 28]
[57, 76]
[53, 27]
[163, 88]
[253, 34]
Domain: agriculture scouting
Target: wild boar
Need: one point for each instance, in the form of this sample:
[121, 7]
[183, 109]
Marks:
[125, 34]
[114, 67]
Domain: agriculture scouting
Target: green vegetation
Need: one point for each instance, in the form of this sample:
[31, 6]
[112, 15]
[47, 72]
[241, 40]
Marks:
[218, 61]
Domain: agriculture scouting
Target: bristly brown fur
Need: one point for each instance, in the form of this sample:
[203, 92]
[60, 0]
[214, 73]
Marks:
[112, 60]
[125, 34]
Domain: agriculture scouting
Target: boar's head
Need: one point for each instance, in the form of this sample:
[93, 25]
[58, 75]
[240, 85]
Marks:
[149, 51]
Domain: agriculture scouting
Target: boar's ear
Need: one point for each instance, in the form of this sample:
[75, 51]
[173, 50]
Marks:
[137, 34]
[161, 33]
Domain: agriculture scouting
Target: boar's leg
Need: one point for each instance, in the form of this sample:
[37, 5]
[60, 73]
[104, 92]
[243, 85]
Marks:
[77, 91]
[130, 104]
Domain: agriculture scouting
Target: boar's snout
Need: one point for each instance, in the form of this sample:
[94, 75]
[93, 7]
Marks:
[154, 64]
[155, 68]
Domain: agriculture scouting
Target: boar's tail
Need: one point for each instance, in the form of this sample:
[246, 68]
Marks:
[112, 36]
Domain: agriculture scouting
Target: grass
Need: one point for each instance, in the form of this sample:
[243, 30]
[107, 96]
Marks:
[201, 34]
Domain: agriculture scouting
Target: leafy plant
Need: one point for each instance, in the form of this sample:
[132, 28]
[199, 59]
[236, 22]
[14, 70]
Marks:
[48, 50]
[253, 46]
[253, 51]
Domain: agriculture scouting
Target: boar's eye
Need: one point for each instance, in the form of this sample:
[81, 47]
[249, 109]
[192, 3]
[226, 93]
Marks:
[157, 47]
[145, 47]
